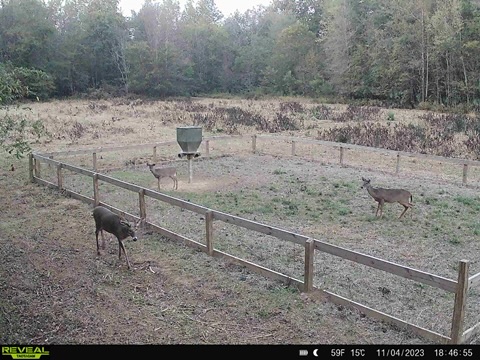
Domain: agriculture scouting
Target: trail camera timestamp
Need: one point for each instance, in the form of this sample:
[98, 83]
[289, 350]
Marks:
[453, 353]
[397, 351]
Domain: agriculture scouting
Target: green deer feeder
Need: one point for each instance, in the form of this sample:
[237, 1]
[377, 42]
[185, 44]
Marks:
[189, 138]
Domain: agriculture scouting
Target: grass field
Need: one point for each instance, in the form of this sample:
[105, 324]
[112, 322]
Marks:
[177, 295]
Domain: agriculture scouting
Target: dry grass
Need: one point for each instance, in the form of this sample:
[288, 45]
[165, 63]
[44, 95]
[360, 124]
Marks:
[55, 282]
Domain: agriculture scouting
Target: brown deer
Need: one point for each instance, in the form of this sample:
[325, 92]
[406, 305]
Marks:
[403, 197]
[113, 224]
[160, 172]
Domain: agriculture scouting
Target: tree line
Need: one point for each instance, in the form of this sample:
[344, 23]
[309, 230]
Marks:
[396, 53]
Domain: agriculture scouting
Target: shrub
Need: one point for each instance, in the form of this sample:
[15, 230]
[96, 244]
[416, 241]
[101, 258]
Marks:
[39, 84]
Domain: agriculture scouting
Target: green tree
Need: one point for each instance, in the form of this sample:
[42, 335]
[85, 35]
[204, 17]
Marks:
[446, 26]
[155, 55]
[471, 49]
[309, 12]
[104, 36]
[26, 33]
[204, 46]
[249, 47]
[16, 131]
[294, 54]
[68, 62]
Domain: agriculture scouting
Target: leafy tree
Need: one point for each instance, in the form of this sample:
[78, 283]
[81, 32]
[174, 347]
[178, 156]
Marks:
[471, 49]
[69, 63]
[16, 130]
[249, 47]
[309, 12]
[446, 25]
[155, 55]
[104, 34]
[26, 33]
[204, 45]
[294, 54]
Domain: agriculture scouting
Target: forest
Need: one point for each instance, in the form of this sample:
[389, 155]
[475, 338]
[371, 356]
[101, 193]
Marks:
[402, 53]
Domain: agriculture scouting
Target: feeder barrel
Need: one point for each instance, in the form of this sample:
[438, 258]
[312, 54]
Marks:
[189, 138]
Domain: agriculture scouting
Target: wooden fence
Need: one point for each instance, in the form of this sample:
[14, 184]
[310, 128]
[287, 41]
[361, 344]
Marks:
[464, 164]
[459, 286]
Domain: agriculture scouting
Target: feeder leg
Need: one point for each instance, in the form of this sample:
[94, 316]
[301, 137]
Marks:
[190, 165]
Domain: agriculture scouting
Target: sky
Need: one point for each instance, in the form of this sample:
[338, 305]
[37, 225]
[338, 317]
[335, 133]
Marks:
[227, 7]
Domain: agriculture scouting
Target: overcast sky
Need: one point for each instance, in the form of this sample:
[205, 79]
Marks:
[227, 7]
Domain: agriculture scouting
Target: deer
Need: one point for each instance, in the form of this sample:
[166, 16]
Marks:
[113, 224]
[160, 172]
[403, 197]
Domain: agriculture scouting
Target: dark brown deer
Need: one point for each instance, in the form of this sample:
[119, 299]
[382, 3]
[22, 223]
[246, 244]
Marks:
[113, 224]
[382, 196]
[160, 172]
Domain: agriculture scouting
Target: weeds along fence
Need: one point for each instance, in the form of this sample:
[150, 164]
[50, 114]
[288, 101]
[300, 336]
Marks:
[458, 167]
[459, 287]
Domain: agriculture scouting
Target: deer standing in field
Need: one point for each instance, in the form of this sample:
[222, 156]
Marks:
[160, 172]
[403, 197]
[113, 224]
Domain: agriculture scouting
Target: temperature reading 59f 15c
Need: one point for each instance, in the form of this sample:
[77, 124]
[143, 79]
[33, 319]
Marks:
[357, 352]
[345, 352]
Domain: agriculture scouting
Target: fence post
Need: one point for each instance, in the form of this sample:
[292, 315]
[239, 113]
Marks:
[207, 147]
[459, 305]
[94, 161]
[154, 154]
[465, 172]
[209, 231]
[37, 168]
[59, 177]
[96, 195]
[293, 147]
[141, 204]
[254, 143]
[30, 167]
[341, 155]
[397, 170]
[308, 276]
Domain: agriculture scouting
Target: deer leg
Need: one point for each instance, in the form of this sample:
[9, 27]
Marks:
[120, 248]
[381, 208]
[378, 208]
[158, 184]
[96, 237]
[103, 240]
[404, 211]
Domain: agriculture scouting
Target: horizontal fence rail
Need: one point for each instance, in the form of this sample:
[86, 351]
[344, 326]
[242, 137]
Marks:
[370, 149]
[261, 228]
[131, 147]
[474, 281]
[394, 153]
[390, 267]
[459, 287]
[293, 140]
